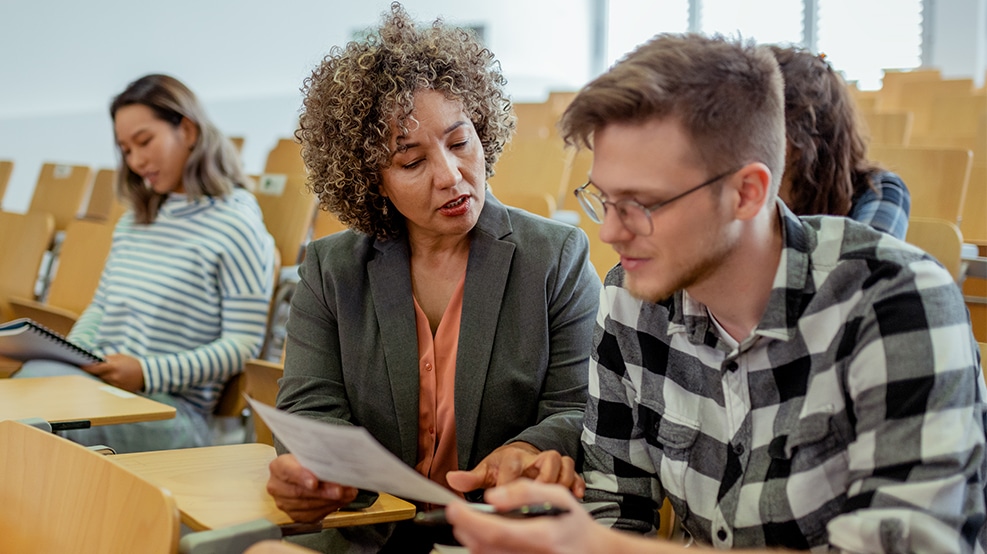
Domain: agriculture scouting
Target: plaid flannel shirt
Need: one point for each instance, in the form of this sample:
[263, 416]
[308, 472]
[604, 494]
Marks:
[886, 208]
[851, 419]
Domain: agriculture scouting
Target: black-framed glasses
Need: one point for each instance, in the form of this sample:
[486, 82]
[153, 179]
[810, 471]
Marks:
[634, 216]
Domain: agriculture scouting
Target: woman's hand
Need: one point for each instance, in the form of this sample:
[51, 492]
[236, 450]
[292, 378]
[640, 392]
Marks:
[121, 371]
[300, 494]
[515, 460]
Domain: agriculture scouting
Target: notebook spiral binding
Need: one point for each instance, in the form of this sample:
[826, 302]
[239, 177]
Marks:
[56, 337]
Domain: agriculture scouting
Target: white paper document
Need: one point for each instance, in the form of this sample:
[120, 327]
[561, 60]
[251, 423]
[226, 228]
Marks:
[349, 456]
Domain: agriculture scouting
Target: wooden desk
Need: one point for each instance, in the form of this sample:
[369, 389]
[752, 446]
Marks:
[76, 398]
[219, 486]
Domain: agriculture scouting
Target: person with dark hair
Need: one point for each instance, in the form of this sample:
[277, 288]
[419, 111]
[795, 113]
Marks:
[182, 302]
[453, 328]
[826, 168]
[800, 383]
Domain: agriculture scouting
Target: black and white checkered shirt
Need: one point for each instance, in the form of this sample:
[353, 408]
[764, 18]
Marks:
[851, 419]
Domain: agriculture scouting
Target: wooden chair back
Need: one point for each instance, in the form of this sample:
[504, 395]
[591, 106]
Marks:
[891, 128]
[957, 115]
[80, 262]
[936, 178]
[60, 191]
[237, 143]
[288, 210]
[531, 164]
[918, 98]
[6, 168]
[103, 202]
[940, 238]
[24, 239]
[58, 496]
[325, 224]
[888, 97]
[538, 203]
[974, 221]
[534, 120]
[262, 385]
[286, 158]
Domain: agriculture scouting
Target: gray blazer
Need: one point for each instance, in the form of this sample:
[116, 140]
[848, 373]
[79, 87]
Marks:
[529, 307]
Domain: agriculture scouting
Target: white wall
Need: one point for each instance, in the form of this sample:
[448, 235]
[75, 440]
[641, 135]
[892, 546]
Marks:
[960, 31]
[62, 61]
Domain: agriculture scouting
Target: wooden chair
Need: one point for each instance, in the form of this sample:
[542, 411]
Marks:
[262, 385]
[940, 238]
[539, 203]
[534, 120]
[325, 224]
[890, 128]
[288, 210]
[6, 168]
[60, 191]
[957, 115]
[531, 164]
[936, 178]
[24, 239]
[58, 496]
[918, 98]
[79, 266]
[286, 158]
[891, 84]
[103, 204]
[974, 221]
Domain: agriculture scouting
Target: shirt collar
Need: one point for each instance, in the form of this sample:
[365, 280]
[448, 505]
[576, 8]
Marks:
[790, 292]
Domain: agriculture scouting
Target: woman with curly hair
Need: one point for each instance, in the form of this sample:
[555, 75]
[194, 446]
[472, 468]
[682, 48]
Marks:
[453, 328]
[826, 169]
[182, 301]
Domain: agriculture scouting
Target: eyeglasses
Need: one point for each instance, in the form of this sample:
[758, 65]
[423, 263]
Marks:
[634, 216]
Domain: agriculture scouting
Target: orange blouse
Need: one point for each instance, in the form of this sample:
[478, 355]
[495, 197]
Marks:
[436, 390]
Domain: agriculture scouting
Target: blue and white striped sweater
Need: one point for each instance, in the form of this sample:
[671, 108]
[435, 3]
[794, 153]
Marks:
[187, 295]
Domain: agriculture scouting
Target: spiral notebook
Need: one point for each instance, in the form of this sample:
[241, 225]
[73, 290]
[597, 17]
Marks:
[24, 339]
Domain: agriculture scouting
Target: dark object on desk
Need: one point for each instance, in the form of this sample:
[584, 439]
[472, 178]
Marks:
[438, 517]
[24, 339]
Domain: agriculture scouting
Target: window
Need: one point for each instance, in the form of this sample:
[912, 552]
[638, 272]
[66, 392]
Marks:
[880, 34]
[766, 21]
[632, 22]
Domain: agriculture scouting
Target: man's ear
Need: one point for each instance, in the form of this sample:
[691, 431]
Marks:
[753, 190]
[190, 131]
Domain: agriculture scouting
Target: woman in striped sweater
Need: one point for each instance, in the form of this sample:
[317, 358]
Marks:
[183, 298]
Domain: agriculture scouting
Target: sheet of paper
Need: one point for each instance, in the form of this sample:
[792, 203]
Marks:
[349, 456]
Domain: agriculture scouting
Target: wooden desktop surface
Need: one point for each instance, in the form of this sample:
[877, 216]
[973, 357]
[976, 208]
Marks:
[76, 398]
[219, 486]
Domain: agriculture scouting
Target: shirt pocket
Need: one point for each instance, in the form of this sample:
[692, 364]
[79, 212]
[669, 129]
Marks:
[665, 430]
[808, 471]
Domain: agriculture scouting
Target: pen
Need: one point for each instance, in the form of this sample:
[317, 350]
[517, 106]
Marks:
[438, 517]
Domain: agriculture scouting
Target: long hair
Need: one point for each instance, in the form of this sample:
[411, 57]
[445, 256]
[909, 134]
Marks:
[213, 167]
[826, 166]
[355, 93]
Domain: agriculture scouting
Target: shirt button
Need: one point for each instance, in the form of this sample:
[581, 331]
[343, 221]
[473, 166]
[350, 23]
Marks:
[428, 367]
[738, 449]
[731, 366]
[721, 534]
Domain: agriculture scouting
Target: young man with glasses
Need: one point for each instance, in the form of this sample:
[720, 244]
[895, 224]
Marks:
[797, 383]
